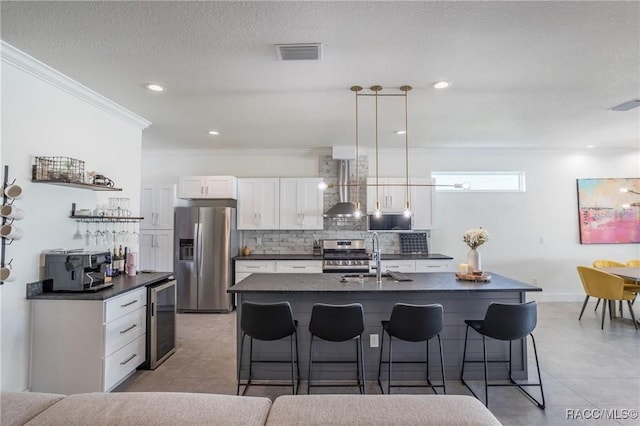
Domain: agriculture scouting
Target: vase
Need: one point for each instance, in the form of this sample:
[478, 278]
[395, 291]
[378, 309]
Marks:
[473, 261]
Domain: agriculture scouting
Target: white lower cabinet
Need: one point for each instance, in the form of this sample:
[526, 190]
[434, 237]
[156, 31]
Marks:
[416, 265]
[433, 265]
[398, 265]
[299, 266]
[87, 345]
[244, 268]
[123, 362]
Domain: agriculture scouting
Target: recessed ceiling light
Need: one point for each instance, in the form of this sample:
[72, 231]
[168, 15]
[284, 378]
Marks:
[214, 132]
[590, 146]
[400, 132]
[154, 87]
[441, 84]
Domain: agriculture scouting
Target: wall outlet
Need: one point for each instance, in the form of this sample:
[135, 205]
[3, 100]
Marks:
[373, 340]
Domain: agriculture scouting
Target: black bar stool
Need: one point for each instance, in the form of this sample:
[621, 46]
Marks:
[338, 323]
[413, 323]
[268, 321]
[510, 322]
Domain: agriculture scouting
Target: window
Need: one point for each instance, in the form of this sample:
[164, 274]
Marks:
[480, 181]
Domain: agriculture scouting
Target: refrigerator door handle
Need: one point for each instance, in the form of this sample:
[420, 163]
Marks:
[200, 249]
[196, 259]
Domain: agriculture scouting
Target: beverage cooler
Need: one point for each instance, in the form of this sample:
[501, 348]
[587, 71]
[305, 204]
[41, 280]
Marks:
[161, 323]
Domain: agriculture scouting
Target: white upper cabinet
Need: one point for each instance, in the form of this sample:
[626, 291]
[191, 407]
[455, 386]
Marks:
[300, 203]
[208, 187]
[391, 194]
[156, 206]
[258, 203]
[392, 197]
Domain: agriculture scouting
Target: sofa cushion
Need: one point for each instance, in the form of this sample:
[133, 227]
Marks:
[379, 410]
[17, 408]
[155, 408]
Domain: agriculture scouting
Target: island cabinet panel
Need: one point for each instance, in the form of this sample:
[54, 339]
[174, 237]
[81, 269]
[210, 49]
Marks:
[460, 300]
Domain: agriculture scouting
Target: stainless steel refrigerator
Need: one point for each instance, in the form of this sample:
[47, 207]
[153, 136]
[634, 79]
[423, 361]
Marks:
[205, 240]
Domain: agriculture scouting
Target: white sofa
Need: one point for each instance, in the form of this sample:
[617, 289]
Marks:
[170, 408]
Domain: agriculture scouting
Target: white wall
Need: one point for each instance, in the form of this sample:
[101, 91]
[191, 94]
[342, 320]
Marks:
[40, 119]
[534, 235]
[167, 166]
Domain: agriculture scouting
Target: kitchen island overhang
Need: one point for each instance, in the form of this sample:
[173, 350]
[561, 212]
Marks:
[461, 300]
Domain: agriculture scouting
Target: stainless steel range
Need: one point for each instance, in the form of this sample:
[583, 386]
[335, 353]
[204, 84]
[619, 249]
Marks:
[344, 256]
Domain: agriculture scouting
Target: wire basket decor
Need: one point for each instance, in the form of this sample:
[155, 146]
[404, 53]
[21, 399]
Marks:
[58, 169]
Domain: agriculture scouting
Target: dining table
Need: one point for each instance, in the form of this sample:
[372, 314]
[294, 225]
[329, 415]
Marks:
[626, 272]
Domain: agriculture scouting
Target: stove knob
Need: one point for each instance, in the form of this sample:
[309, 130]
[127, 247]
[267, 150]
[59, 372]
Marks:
[348, 262]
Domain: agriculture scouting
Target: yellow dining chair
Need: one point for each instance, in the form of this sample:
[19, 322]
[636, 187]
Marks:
[606, 263]
[629, 285]
[605, 286]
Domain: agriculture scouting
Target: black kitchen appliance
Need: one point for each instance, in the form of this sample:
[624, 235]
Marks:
[75, 270]
[389, 222]
[344, 256]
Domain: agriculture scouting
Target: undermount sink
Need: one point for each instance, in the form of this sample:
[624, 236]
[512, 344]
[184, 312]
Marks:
[388, 276]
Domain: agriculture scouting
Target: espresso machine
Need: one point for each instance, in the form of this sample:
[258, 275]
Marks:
[75, 270]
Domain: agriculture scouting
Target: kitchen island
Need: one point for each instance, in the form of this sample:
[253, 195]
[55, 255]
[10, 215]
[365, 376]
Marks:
[461, 300]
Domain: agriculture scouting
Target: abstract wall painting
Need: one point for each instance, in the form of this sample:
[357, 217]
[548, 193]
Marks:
[609, 210]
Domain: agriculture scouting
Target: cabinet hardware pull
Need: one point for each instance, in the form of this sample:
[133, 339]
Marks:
[253, 267]
[129, 359]
[129, 329]
[128, 304]
[298, 267]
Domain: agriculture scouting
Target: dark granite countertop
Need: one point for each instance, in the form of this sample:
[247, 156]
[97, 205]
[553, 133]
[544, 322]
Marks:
[330, 283]
[385, 256]
[415, 256]
[121, 284]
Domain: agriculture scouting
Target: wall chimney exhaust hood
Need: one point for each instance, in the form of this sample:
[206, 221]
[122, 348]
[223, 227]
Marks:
[344, 207]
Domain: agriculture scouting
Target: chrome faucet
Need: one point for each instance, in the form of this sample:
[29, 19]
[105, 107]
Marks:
[376, 256]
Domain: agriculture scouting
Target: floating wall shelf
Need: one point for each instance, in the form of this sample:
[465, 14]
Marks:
[79, 185]
[106, 218]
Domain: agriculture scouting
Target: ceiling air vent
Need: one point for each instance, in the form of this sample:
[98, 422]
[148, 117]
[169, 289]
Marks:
[299, 52]
[626, 106]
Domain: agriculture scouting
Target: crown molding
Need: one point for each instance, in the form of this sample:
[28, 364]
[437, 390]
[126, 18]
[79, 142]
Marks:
[241, 151]
[17, 58]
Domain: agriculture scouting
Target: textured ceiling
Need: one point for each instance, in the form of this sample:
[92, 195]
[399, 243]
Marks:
[524, 74]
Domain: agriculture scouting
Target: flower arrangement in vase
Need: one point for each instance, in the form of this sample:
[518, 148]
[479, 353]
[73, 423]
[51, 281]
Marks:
[474, 238]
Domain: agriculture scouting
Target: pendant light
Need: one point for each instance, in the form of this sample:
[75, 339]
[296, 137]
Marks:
[407, 206]
[377, 212]
[357, 213]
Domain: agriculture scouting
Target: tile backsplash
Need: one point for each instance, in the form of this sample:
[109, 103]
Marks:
[301, 242]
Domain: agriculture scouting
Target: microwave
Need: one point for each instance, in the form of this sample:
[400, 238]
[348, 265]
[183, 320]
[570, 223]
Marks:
[389, 222]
